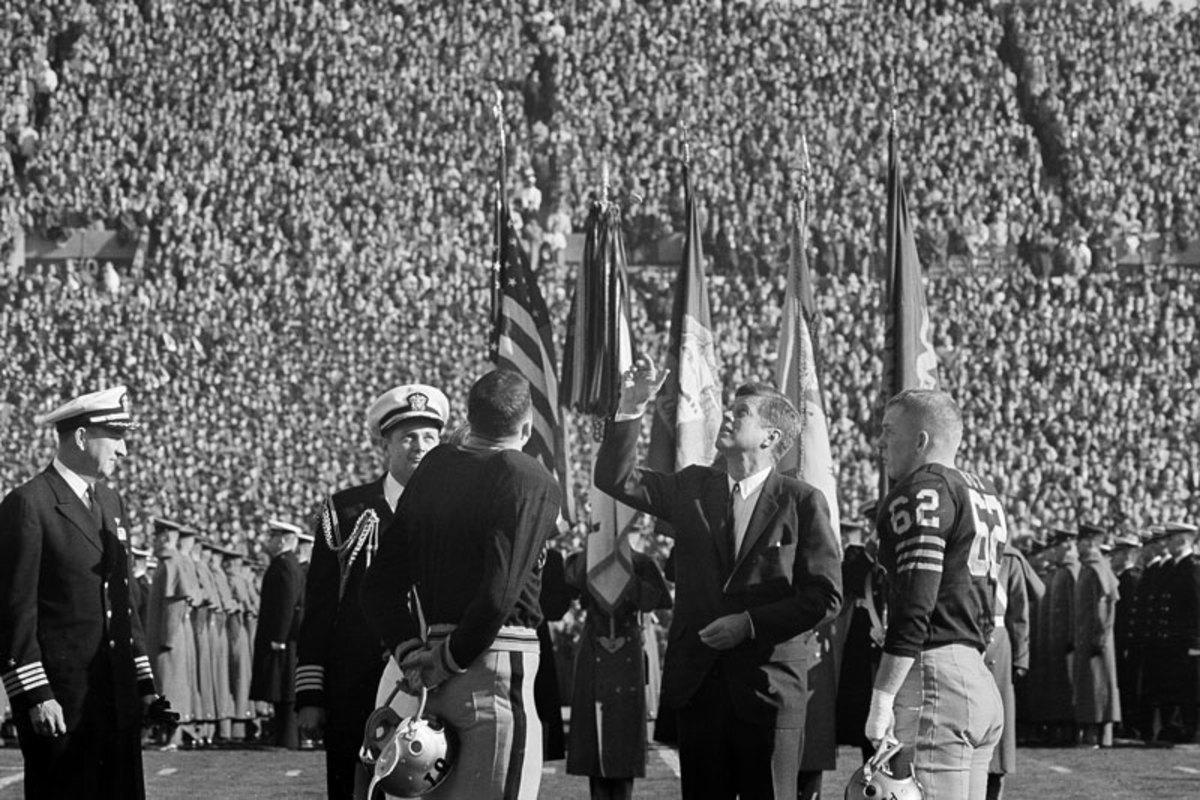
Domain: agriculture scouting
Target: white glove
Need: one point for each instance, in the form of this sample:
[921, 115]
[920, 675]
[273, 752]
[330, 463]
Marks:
[881, 719]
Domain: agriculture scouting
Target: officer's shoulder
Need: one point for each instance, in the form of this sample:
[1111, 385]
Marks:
[35, 491]
[356, 495]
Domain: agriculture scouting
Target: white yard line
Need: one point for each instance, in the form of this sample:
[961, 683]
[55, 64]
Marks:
[549, 770]
[165, 771]
[291, 773]
[11, 779]
[1060, 770]
[1188, 770]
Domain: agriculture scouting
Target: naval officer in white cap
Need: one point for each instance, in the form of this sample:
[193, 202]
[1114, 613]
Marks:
[72, 657]
[339, 665]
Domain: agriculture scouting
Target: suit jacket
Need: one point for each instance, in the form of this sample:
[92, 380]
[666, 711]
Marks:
[67, 628]
[787, 575]
[339, 658]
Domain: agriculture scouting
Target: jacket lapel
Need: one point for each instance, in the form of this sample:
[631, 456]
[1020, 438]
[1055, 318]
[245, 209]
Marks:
[71, 507]
[714, 502]
[764, 510]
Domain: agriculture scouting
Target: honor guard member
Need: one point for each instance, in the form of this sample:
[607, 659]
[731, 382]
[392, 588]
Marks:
[1146, 625]
[222, 609]
[339, 657]
[169, 638]
[941, 534]
[1007, 654]
[239, 642]
[863, 614]
[71, 650]
[467, 543]
[1179, 635]
[278, 625]
[1094, 680]
[1126, 554]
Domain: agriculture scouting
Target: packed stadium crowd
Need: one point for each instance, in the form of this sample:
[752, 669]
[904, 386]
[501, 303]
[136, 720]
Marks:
[311, 184]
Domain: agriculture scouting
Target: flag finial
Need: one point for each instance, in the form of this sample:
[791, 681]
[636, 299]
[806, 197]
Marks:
[687, 146]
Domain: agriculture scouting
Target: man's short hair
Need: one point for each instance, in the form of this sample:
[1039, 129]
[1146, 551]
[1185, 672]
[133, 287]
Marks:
[936, 411]
[776, 411]
[498, 403]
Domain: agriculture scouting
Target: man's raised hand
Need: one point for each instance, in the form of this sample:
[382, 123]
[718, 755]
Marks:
[639, 384]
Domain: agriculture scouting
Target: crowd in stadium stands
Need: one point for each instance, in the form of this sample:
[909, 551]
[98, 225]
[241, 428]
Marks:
[310, 186]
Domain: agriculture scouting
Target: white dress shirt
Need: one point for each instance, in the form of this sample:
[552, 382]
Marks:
[79, 485]
[392, 489]
[745, 495]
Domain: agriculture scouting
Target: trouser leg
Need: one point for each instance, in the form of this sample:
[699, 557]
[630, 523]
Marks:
[703, 727]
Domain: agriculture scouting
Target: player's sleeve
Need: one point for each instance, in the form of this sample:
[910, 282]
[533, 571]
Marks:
[21, 667]
[321, 598]
[524, 508]
[918, 520]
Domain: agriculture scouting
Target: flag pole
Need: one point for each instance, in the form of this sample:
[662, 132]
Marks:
[498, 219]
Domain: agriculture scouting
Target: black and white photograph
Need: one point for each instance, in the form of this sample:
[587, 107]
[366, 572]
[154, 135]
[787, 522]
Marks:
[599, 399]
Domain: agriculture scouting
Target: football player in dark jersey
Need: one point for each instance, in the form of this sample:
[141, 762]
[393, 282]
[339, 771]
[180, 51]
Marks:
[941, 532]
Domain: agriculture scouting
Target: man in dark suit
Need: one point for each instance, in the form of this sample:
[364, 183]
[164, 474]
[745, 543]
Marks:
[756, 564]
[72, 657]
[275, 637]
[339, 658]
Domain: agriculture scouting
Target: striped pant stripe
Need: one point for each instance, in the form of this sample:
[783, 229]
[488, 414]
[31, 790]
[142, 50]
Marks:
[516, 756]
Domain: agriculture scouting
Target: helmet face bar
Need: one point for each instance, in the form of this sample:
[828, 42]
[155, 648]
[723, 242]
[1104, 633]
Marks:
[412, 756]
[874, 780]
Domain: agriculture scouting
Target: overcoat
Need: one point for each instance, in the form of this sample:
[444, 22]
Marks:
[169, 636]
[239, 647]
[282, 595]
[1097, 697]
[608, 704]
[202, 620]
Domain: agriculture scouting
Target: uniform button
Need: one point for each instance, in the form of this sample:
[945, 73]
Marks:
[108, 613]
[112, 643]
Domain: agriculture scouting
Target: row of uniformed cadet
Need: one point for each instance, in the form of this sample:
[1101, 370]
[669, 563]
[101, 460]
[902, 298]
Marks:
[1116, 639]
[201, 612]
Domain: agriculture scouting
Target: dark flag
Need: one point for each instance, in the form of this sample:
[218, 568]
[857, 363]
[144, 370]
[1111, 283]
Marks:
[909, 360]
[599, 350]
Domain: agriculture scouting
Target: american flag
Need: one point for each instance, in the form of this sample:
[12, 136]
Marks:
[522, 341]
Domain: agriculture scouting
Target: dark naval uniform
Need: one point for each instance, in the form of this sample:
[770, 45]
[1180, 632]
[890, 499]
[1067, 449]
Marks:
[68, 633]
[339, 657]
[271, 680]
[1128, 657]
[1178, 637]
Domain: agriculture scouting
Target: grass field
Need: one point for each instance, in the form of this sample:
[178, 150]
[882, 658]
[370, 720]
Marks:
[1045, 774]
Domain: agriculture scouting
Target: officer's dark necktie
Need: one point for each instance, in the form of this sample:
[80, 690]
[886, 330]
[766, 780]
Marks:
[94, 506]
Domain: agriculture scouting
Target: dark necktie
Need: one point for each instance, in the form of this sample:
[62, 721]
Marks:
[94, 506]
[731, 520]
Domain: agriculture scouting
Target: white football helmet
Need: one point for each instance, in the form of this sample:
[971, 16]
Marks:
[411, 757]
[874, 780]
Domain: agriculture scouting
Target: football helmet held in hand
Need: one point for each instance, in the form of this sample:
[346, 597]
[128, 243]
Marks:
[874, 780]
[411, 757]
